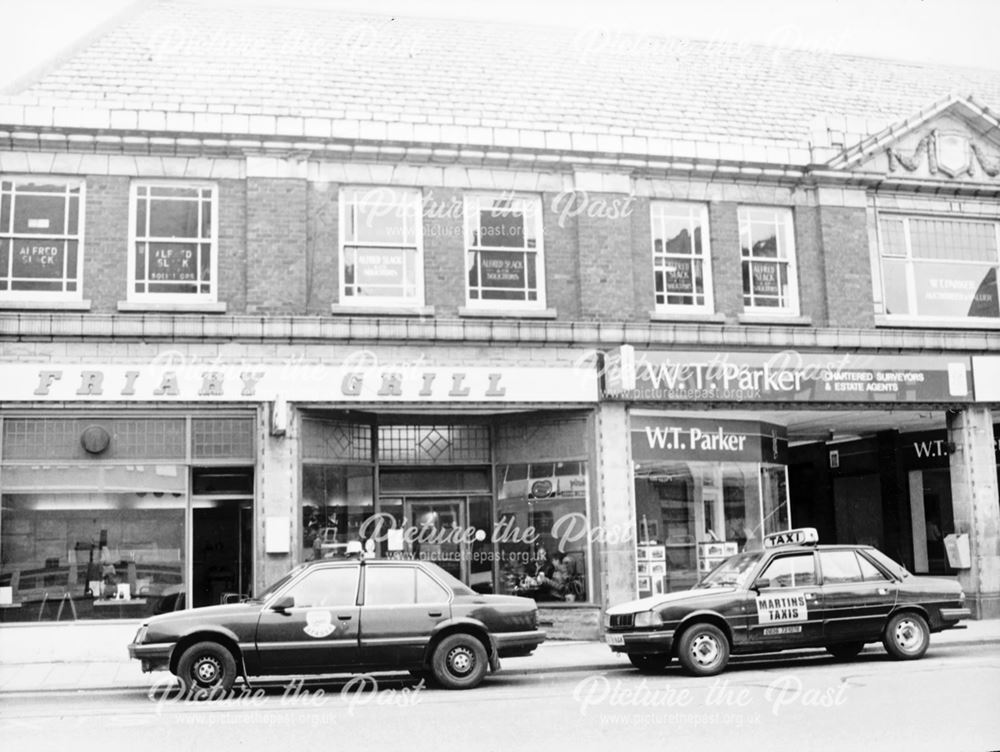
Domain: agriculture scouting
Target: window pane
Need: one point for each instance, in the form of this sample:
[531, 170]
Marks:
[839, 567]
[956, 290]
[428, 590]
[327, 587]
[173, 219]
[893, 237]
[894, 284]
[791, 571]
[39, 215]
[173, 262]
[953, 240]
[389, 586]
[336, 500]
[869, 572]
[38, 259]
[501, 228]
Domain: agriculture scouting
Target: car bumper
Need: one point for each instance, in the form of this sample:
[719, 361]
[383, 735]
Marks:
[153, 657]
[950, 616]
[514, 644]
[641, 643]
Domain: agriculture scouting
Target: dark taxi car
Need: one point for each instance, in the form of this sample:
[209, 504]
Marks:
[344, 616]
[794, 594]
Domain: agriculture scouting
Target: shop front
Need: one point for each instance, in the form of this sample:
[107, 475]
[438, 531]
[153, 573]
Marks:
[133, 489]
[868, 448]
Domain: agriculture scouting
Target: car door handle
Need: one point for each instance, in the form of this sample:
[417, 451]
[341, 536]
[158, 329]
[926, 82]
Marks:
[345, 618]
[810, 596]
[434, 613]
[883, 591]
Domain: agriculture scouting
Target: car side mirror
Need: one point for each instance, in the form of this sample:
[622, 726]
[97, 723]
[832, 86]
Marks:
[762, 583]
[283, 604]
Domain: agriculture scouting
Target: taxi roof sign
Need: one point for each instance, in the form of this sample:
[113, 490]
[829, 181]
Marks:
[798, 537]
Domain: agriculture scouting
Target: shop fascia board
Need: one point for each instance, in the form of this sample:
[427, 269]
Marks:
[306, 329]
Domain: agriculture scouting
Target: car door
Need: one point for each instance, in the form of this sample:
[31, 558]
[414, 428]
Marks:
[402, 607]
[787, 608]
[318, 632]
[857, 596]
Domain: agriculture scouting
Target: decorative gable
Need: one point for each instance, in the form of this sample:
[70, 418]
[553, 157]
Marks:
[957, 140]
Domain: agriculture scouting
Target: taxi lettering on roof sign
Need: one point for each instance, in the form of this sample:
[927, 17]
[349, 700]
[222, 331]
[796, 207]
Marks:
[798, 537]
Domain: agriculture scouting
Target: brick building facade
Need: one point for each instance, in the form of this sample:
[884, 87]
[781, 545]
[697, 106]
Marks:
[190, 406]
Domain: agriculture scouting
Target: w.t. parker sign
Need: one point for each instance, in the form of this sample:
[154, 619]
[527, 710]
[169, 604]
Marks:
[299, 382]
[786, 376]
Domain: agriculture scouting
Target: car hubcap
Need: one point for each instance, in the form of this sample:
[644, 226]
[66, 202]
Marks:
[206, 670]
[908, 635]
[461, 660]
[705, 650]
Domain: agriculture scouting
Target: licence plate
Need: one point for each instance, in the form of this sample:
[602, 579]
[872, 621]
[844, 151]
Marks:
[614, 639]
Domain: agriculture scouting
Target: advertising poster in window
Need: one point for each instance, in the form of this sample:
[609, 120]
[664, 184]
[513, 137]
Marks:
[379, 267]
[38, 259]
[956, 290]
[173, 263]
[502, 270]
[677, 279]
[765, 280]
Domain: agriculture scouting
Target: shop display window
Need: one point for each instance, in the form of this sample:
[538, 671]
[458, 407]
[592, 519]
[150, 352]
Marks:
[543, 530]
[105, 553]
[336, 502]
[690, 516]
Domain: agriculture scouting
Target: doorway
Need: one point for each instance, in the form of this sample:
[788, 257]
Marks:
[857, 503]
[222, 551]
[931, 518]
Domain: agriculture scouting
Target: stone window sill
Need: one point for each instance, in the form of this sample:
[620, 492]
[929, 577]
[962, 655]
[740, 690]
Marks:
[773, 320]
[507, 313]
[154, 307]
[45, 305]
[376, 310]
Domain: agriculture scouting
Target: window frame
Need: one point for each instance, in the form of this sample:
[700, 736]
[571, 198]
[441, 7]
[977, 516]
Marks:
[785, 234]
[910, 262]
[344, 204]
[47, 296]
[656, 215]
[172, 298]
[472, 205]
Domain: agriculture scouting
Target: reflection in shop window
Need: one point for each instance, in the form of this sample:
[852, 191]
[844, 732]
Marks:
[336, 500]
[103, 552]
[690, 516]
[543, 530]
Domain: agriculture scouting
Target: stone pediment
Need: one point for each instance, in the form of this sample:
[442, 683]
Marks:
[957, 140]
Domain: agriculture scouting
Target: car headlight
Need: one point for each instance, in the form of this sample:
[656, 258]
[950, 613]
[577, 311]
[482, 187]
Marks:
[648, 619]
[607, 620]
[961, 598]
[140, 636]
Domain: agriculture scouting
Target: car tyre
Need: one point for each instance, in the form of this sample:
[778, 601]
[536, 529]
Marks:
[907, 636]
[459, 662]
[649, 664]
[206, 669]
[844, 651]
[703, 650]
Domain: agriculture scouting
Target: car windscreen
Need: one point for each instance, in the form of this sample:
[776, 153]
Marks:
[733, 572]
[276, 586]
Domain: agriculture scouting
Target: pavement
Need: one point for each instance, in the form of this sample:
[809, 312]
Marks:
[45, 668]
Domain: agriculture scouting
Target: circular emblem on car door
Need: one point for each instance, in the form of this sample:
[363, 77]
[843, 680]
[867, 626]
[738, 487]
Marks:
[319, 624]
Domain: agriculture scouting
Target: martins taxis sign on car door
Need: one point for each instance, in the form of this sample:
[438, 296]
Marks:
[786, 376]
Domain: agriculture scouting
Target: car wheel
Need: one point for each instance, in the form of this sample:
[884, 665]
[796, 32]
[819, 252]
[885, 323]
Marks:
[906, 636]
[206, 669]
[649, 664]
[459, 662]
[703, 650]
[844, 651]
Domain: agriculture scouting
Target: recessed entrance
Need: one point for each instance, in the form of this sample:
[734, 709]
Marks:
[221, 555]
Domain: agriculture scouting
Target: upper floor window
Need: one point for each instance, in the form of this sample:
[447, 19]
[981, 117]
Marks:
[682, 275]
[381, 246]
[940, 268]
[505, 263]
[41, 238]
[768, 249]
[173, 242]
